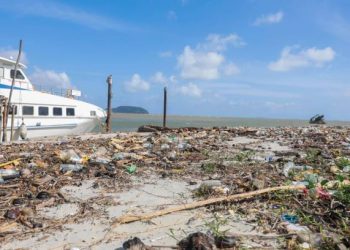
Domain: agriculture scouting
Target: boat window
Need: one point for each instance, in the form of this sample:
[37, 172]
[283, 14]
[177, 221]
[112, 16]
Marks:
[70, 112]
[44, 111]
[28, 110]
[13, 108]
[92, 113]
[18, 74]
[1, 72]
[57, 111]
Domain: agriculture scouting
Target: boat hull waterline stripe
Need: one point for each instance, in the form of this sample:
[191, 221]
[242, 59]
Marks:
[4, 86]
[49, 127]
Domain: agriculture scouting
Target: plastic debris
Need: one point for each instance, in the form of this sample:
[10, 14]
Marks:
[164, 147]
[7, 174]
[290, 218]
[290, 166]
[70, 156]
[131, 169]
[71, 167]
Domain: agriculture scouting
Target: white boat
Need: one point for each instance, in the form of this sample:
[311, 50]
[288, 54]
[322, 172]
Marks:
[45, 114]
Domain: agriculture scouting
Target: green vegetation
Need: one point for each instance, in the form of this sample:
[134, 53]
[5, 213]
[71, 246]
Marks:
[209, 167]
[313, 156]
[130, 109]
[243, 156]
[342, 162]
[215, 226]
[343, 194]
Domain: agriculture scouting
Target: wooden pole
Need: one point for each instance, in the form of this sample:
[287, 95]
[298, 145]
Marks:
[4, 138]
[1, 114]
[164, 107]
[109, 104]
[12, 121]
[4, 123]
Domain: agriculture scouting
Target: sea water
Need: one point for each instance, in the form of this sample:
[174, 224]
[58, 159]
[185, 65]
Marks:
[130, 122]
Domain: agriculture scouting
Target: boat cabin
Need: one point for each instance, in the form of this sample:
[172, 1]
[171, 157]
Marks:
[7, 71]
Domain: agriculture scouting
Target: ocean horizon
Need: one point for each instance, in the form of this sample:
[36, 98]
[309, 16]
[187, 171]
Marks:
[131, 122]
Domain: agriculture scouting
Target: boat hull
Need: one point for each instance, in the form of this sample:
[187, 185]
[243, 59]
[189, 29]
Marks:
[78, 126]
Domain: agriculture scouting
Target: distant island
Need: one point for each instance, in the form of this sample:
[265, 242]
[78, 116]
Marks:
[130, 110]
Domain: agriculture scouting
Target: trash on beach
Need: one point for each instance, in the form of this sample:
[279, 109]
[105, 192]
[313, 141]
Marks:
[70, 156]
[71, 167]
[10, 163]
[197, 240]
[131, 168]
[7, 174]
[290, 166]
[290, 218]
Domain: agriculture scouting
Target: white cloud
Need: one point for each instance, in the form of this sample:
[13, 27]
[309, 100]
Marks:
[191, 89]
[173, 79]
[217, 42]
[12, 54]
[50, 78]
[207, 60]
[231, 69]
[60, 11]
[159, 78]
[136, 83]
[199, 65]
[166, 54]
[171, 15]
[312, 57]
[269, 19]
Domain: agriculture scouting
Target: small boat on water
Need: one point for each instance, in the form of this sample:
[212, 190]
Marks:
[45, 114]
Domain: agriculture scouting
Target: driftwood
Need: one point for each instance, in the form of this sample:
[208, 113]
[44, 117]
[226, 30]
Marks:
[147, 216]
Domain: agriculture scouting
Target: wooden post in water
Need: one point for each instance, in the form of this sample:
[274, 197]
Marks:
[164, 107]
[109, 104]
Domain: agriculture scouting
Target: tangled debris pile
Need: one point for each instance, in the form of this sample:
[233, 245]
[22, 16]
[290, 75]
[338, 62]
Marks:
[39, 178]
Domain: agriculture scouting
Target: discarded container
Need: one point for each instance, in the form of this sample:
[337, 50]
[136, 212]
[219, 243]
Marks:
[71, 167]
[172, 156]
[100, 160]
[7, 174]
[300, 183]
[164, 147]
[291, 166]
[147, 145]
[70, 156]
[118, 156]
[296, 228]
[183, 146]
[290, 218]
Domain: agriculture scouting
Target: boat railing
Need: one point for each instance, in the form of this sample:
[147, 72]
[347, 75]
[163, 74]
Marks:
[57, 91]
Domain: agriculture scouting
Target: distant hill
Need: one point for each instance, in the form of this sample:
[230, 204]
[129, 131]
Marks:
[130, 109]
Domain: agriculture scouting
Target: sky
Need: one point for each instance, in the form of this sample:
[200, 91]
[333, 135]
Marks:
[248, 58]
